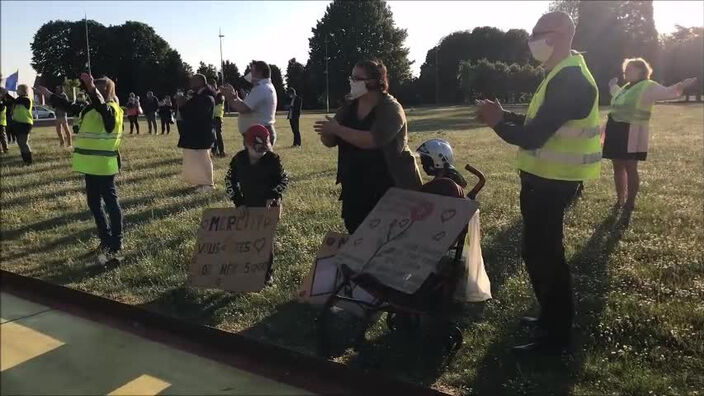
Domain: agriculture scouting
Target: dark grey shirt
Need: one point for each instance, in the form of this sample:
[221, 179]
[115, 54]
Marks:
[568, 96]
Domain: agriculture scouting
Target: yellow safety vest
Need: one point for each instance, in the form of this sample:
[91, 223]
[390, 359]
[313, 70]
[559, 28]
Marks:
[627, 106]
[573, 153]
[95, 150]
[219, 110]
[3, 116]
[22, 114]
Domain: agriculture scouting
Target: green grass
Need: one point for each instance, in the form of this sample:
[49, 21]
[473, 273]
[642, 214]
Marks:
[640, 319]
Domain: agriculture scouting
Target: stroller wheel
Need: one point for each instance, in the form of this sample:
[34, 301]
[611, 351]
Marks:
[402, 322]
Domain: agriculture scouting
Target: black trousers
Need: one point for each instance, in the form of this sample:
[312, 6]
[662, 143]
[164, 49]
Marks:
[296, 131]
[151, 121]
[3, 138]
[101, 189]
[133, 123]
[543, 204]
[165, 125]
[219, 144]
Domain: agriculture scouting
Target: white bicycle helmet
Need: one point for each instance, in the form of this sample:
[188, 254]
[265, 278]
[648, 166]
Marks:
[439, 151]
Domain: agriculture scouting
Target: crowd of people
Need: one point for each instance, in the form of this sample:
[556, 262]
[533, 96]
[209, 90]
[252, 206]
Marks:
[559, 139]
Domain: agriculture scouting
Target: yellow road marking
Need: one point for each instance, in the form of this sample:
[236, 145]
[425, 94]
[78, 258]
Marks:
[19, 344]
[142, 385]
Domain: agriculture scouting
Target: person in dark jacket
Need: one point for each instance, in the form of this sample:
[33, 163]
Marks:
[150, 107]
[197, 136]
[256, 177]
[294, 115]
[165, 114]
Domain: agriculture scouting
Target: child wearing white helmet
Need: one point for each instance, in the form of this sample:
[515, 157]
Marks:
[438, 161]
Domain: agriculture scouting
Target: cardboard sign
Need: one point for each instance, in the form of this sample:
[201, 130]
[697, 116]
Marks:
[404, 237]
[323, 277]
[233, 248]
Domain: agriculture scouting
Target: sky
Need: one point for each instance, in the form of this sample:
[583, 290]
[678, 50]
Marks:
[276, 31]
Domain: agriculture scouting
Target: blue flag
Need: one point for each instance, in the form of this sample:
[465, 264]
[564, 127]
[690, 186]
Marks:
[11, 81]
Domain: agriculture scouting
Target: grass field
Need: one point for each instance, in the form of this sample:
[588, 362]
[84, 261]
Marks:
[640, 289]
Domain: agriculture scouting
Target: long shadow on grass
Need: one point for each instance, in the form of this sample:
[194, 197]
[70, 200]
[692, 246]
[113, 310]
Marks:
[67, 218]
[53, 194]
[130, 220]
[502, 372]
[127, 170]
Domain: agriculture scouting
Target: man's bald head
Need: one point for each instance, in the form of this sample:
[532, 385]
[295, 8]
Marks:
[557, 22]
[197, 82]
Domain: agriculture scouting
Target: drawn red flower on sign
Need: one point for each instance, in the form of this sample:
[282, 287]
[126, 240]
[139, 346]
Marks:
[422, 211]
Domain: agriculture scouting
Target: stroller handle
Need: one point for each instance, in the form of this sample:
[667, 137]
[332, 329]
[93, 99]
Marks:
[480, 183]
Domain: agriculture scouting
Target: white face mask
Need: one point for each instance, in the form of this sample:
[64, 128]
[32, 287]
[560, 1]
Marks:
[540, 50]
[357, 89]
[248, 77]
[254, 154]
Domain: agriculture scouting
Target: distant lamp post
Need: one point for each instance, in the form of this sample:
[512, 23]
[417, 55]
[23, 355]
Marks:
[222, 64]
[327, 75]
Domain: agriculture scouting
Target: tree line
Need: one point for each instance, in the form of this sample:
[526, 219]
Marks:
[464, 65]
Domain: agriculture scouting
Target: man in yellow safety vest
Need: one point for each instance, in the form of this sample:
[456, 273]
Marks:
[559, 147]
[96, 155]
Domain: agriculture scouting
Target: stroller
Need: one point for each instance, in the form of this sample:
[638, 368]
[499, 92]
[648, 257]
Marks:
[363, 293]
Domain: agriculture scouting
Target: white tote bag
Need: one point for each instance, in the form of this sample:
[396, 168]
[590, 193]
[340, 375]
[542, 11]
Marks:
[473, 285]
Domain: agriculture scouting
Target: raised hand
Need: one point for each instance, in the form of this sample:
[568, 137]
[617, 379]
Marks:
[688, 82]
[44, 91]
[87, 79]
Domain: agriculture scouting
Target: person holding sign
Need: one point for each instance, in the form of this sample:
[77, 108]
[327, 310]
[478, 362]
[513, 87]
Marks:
[96, 155]
[626, 132]
[371, 135]
[558, 148]
[256, 177]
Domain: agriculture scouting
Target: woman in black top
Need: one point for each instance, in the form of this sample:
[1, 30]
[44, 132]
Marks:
[370, 132]
[165, 114]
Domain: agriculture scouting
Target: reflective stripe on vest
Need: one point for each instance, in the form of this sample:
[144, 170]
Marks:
[219, 110]
[573, 152]
[95, 150]
[627, 104]
[22, 114]
[3, 117]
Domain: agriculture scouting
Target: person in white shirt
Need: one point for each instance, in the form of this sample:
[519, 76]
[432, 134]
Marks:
[259, 106]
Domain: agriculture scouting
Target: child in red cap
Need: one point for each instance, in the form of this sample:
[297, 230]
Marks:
[256, 177]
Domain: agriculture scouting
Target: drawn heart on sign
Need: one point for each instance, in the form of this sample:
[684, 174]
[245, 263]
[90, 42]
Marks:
[374, 223]
[403, 223]
[358, 241]
[447, 215]
[440, 235]
[259, 244]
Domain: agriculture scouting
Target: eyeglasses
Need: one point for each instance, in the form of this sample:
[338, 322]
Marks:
[356, 78]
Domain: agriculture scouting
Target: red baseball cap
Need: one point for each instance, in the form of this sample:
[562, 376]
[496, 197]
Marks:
[256, 134]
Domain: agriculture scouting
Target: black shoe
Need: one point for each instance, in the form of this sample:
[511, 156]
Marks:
[541, 347]
[530, 321]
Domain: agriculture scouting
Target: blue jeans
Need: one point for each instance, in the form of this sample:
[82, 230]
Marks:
[101, 189]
